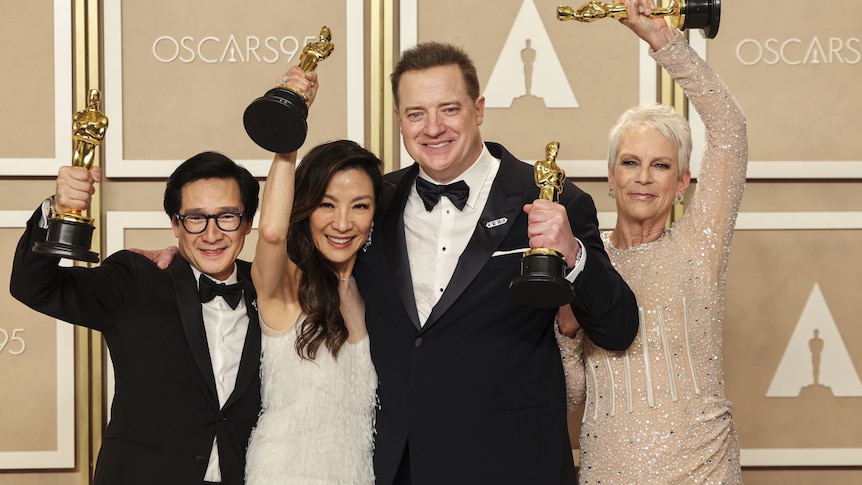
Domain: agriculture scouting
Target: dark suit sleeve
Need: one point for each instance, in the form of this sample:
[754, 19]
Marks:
[78, 295]
[604, 304]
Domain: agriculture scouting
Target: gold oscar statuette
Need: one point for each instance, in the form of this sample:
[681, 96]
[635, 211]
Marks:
[276, 121]
[70, 233]
[542, 282]
[683, 14]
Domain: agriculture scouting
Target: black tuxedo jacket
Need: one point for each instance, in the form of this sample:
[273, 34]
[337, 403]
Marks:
[477, 395]
[165, 412]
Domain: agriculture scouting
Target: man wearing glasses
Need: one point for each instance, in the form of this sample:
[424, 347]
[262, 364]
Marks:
[185, 342]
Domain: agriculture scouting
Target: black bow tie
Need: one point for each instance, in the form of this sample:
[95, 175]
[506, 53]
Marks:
[209, 289]
[431, 192]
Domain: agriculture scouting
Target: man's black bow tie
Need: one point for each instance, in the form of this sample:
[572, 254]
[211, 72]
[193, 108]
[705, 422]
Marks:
[431, 192]
[209, 289]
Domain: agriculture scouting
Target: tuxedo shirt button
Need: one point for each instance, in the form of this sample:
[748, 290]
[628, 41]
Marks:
[418, 342]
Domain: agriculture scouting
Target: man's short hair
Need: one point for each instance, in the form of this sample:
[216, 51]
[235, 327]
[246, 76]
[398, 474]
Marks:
[435, 54]
[211, 165]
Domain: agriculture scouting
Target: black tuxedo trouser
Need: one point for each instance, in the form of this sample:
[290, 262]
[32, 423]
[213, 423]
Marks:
[402, 476]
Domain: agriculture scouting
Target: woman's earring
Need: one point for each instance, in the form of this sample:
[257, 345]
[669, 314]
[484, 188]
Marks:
[611, 192]
[368, 240]
[678, 199]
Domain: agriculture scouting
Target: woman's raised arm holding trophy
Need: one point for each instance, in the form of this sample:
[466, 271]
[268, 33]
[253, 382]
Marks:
[657, 412]
[276, 121]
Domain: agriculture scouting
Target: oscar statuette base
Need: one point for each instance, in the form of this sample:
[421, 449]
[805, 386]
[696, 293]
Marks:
[68, 239]
[277, 120]
[542, 283]
[704, 15]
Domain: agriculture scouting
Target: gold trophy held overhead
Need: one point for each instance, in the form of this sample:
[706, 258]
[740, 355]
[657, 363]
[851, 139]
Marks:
[683, 14]
[277, 120]
[70, 233]
[542, 282]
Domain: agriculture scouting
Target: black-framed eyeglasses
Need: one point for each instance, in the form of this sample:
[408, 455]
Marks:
[196, 223]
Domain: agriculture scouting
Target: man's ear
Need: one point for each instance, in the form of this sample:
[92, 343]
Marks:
[480, 109]
[175, 226]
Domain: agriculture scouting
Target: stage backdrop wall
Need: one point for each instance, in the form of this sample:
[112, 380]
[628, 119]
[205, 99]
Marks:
[177, 77]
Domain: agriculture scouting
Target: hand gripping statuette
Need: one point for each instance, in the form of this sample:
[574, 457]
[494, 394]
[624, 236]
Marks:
[277, 120]
[70, 233]
[542, 282]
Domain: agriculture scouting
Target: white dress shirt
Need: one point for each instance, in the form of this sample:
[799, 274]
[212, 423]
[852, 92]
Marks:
[436, 239]
[226, 330]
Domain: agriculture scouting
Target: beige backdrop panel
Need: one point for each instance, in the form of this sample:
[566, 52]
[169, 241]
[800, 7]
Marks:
[189, 70]
[770, 280]
[795, 70]
[27, 94]
[36, 375]
[29, 380]
[771, 276]
[36, 93]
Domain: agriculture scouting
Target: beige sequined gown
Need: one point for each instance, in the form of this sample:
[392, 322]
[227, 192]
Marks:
[657, 413]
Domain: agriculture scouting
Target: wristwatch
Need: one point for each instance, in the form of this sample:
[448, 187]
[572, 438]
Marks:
[47, 212]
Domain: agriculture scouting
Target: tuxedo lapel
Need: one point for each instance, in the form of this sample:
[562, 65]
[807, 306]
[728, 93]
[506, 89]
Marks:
[249, 364]
[396, 242]
[188, 301]
[505, 203]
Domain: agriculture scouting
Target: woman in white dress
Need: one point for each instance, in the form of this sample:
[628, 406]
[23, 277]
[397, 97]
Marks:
[318, 384]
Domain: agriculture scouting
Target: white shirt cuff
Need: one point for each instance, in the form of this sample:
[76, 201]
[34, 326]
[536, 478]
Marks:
[579, 263]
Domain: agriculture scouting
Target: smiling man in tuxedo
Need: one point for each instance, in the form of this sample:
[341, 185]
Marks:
[186, 359]
[471, 383]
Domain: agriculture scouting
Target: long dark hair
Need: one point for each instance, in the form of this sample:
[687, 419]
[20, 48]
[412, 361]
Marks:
[318, 283]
